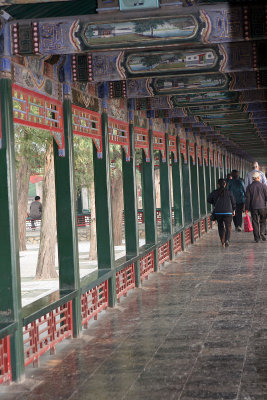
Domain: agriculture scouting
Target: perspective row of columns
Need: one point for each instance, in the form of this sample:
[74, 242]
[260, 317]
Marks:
[188, 179]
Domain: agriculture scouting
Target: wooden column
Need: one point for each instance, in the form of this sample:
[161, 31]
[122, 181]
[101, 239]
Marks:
[68, 255]
[104, 227]
[195, 185]
[149, 197]
[130, 204]
[10, 286]
[177, 185]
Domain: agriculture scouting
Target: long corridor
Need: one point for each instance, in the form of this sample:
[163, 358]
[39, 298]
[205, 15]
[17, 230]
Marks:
[195, 330]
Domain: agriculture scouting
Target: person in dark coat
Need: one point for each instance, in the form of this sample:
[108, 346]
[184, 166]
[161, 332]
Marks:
[228, 179]
[35, 210]
[237, 187]
[256, 197]
[224, 209]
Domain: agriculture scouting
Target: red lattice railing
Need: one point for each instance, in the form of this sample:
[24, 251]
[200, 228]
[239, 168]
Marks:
[147, 265]
[39, 111]
[46, 332]
[188, 236]
[84, 220]
[173, 146]
[196, 231]
[164, 253]
[125, 280]
[209, 223]
[203, 226]
[177, 243]
[158, 216]
[140, 217]
[142, 140]
[88, 123]
[93, 301]
[119, 134]
[159, 143]
[5, 364]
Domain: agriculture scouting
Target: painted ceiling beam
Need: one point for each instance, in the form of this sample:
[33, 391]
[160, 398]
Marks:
[169, 61]
[208, 98]
[187, 83]
[218, 23]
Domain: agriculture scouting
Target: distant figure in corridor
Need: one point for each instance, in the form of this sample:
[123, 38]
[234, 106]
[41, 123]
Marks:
[224, 209]
[228, 179]
[35, 210]
[255, 168]
[256, 197]
[236, 186]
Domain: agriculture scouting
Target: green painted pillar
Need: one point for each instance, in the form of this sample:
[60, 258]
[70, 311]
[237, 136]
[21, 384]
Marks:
[213, 171]
[195, 185]
[68, 255]
[130, 204]
[165, 194]
[187, 198]
[10, 289]
[216, 167]
[208, 175]
[224, 166]
[104, 226]
[202, 185]
[149, 197]
[177, 187]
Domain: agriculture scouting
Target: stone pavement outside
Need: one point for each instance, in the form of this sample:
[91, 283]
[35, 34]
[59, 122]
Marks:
[32, 289]
[197, 330]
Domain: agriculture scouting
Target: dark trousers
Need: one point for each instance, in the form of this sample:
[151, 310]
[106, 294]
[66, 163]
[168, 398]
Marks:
[238, 215]
[224, 226]
[258, 222]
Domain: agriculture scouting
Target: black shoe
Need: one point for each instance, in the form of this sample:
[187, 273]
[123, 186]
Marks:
[257, 240]
[227, 243]
[263, 238]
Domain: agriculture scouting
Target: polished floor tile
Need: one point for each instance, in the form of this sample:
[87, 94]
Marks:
[196, 331]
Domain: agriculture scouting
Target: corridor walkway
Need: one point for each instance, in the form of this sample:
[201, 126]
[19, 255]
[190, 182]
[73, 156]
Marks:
[196, 330]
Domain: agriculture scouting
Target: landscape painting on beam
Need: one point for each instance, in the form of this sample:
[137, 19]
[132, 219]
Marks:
[178, 60]
[185, 83]
[210, 108]
[208, 97]
[131, 33]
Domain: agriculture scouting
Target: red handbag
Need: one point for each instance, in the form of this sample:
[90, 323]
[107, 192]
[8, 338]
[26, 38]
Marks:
[247, 223]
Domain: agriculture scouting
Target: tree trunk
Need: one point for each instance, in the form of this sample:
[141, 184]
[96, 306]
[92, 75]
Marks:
[23, 178]
[46, 257]
[92, 253]
[117, 206]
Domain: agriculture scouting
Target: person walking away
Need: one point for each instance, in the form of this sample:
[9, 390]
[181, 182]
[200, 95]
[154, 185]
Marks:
[224, 209]
[256, 197]
[249, 179]
[228, 179]
[35, 210]
[236, 186]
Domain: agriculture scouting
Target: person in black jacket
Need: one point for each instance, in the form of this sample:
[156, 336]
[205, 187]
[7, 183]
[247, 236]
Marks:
[256, 197]
[224, 209]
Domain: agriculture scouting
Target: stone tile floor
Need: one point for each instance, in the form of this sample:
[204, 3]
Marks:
[197, 330]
